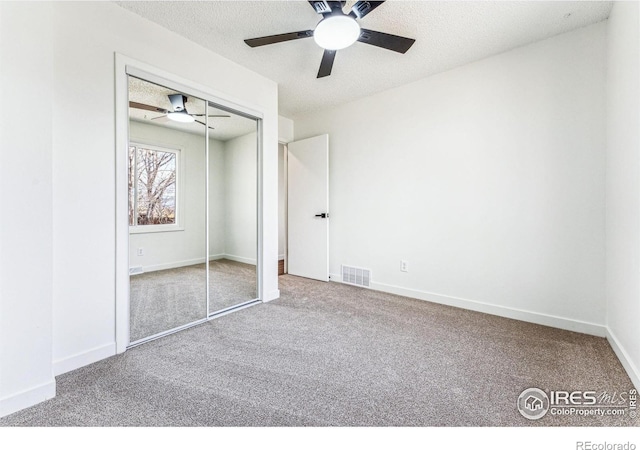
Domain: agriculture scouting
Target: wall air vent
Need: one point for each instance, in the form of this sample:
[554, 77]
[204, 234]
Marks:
[356, 276]
[137, 270]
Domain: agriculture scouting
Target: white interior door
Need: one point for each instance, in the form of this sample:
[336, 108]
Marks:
[308, 208]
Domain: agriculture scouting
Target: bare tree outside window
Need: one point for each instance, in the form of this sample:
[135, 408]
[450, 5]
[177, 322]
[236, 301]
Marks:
[132, 185]
[152, 186]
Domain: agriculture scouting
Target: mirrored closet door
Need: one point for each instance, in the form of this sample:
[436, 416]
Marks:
[233, 206]
[193, 203]
[167, 204]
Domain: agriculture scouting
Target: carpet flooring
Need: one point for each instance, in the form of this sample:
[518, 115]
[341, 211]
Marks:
[327, 354]
[166, 299]
[231, 283]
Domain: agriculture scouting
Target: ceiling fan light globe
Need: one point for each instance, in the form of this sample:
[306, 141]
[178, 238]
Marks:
[336, 32]
[180, 116]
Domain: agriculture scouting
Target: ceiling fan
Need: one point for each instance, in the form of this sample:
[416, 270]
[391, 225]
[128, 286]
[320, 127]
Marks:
[179, 112]
[337, 30]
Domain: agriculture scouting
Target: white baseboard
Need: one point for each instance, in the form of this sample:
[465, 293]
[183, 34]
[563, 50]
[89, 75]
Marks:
[27, 398]
[272, 295]
[488, 308]
[173, 265]
[82, 359]
[241, 259]
[191, 262]
[625, 360]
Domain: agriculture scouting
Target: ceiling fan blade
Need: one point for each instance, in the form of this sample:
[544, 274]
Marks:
[327, 63]
[212, 115]
[147, 107]
[266, 40]
[389, 41]
[362, 8]
[211, 128]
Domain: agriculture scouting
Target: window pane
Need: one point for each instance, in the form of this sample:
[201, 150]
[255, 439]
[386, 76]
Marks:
[156, 187]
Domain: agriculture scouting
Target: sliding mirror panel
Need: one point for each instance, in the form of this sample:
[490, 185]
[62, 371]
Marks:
[167, 210]
[233, 206]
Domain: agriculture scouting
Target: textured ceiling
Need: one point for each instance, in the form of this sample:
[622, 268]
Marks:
[448, 34]
[221, 128]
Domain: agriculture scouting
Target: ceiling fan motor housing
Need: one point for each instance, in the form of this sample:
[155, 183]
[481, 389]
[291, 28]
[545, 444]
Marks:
[178, 101]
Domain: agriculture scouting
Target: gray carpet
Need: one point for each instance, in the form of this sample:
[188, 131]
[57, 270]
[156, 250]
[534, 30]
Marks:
[327, 354]
[231, 283]
[167, 299]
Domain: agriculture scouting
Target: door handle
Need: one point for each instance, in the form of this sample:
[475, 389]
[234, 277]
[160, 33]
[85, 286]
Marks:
[323, 215]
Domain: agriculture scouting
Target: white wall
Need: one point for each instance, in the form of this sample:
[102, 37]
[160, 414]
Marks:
[61, 57]
[285, 129]
[26, 61]
[282, 196]
[285, 135]
[488, 179]
[163, 250]
[84, 150]
[217, 198]
[623, 186]
[240, 198]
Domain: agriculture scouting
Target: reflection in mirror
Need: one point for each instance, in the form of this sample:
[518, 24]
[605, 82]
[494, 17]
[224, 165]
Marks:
[233, 206]
[167, 209]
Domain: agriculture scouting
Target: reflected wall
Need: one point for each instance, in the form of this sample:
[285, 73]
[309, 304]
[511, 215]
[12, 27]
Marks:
[233, 221]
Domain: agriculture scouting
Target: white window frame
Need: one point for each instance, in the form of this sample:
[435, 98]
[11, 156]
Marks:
[178, 225]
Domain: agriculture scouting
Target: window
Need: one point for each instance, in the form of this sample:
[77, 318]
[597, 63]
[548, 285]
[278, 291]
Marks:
[153, 186]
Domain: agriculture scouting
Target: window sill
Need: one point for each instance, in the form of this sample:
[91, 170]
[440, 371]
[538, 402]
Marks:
[141, 229]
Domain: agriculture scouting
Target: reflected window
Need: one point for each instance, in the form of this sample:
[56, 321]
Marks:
[153, 186]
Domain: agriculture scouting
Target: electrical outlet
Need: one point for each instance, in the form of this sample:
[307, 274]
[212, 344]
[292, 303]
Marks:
[140, 251]
[404, 266]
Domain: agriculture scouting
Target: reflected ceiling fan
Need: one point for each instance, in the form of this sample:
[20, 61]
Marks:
[337, 30]
[179, 112]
